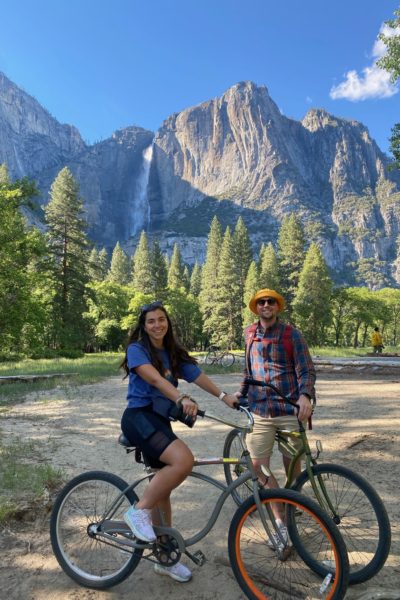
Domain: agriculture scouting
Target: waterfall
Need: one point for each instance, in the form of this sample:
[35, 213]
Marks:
[140, 213]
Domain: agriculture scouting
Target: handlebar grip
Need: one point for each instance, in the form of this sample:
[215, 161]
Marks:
[201, 413]
[242, 402]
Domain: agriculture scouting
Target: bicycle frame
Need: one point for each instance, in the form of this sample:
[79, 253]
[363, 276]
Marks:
[296, 455]
[107, 528]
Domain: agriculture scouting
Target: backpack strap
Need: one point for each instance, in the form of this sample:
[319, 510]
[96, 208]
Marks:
[287, 342]
[249, 335]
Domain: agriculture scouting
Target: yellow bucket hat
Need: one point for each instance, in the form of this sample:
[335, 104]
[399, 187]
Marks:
[266, 293]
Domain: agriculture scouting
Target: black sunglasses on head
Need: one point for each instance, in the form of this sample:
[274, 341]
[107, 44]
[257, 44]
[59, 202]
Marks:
[151, 306]
[264, 301]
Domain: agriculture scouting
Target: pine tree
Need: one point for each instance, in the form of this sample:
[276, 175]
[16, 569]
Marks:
[209, 275]
[186, 278]
[243, 253]
[160, 273]
[195, 280]
[93, 265]
[119, 269]
[225, 322]
[251, 286]
[104, 263]
[269, 269]
[311, 306]
[291, 244]
[143, 268]
[68, 249]
[4, 176]
[176, 268]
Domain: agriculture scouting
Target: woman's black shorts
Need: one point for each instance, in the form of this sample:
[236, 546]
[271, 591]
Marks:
[148, 431]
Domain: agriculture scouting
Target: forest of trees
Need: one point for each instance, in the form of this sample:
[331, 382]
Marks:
[61, 296]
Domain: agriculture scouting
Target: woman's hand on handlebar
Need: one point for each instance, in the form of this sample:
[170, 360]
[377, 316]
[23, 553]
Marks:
[189, 406]
[305, 408]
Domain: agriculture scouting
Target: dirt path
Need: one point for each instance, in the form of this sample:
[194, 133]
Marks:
[358, 420]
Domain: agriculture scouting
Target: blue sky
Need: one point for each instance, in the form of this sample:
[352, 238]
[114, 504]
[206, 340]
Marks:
[105, 64]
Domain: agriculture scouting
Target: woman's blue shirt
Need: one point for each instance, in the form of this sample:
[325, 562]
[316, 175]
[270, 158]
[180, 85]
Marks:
[141, 393]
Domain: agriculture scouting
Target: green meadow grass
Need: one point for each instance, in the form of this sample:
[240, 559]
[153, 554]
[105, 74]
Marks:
[89, 369]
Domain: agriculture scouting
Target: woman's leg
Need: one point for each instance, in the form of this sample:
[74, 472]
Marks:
[179, 463]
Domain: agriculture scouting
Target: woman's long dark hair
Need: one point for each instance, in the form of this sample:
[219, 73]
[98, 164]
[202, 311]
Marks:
[176, 352]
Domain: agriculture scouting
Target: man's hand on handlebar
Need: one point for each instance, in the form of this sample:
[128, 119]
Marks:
[305, 408]
[230, 400]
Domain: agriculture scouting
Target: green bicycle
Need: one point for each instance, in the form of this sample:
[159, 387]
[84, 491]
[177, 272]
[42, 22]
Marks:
[348, 498]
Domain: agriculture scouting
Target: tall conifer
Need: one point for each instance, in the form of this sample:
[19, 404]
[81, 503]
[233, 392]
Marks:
[251, 286]
[311, 305]
[160, 273]
[119, 269]
[209, 275]
[291, 245]
[269, 269]
[104, 262]
[143, 268]
[224, 324]
[195, 280]
[68, 249]
[243, 253]
[176, 270]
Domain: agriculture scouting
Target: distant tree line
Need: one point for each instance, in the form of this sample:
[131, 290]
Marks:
[60, 296]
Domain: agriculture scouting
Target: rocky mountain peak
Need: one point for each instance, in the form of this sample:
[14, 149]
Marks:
[235, 155]
[24, 115]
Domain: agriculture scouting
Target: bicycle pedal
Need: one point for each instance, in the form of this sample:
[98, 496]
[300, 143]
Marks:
[198, 557]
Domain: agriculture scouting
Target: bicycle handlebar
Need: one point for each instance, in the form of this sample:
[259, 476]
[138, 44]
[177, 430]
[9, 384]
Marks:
[251, 381]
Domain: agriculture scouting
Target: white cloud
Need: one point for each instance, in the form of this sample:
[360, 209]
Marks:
[309, 100]
[373, 81]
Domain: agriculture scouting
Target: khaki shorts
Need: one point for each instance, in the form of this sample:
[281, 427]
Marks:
[261, 441]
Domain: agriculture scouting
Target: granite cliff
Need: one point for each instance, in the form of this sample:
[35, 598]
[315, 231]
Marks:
[233, 155]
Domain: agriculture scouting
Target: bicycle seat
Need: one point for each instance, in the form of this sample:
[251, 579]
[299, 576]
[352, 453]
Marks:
[123, 440]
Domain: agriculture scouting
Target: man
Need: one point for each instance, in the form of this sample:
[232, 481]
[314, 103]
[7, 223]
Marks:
[275, 353]
[377, 341]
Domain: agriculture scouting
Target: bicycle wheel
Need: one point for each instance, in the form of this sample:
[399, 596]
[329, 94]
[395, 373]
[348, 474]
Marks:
[83, 555]
[359, 513]
[227, 359]
[233, 449]
[211, 357]
[263, 572]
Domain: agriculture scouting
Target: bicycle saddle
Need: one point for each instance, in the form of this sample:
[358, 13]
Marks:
[123, 440]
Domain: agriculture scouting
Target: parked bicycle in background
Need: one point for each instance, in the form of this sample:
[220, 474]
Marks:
[215, 356]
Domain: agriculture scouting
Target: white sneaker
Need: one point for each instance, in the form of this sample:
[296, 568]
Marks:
[279, 544]
[138, 519]
[178, 572]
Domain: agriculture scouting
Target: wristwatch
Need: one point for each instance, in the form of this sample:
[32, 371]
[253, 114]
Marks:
[222, 395]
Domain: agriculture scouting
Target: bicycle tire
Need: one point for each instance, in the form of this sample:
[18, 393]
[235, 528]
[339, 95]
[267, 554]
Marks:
[364, 523]
[262, 572]
[233, 448]
[227, 359]
[84, 557]
[211, 357]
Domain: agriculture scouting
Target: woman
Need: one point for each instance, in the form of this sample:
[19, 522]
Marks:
[154, 360]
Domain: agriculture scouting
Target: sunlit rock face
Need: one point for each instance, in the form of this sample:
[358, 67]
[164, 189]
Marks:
[231, 156]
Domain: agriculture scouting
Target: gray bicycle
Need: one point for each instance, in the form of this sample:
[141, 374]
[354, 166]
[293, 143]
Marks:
[94, 546]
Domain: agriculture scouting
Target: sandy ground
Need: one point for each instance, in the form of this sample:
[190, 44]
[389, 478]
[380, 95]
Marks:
[357, 420]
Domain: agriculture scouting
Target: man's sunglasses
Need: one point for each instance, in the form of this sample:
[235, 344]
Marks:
[151, 306]
[264, 301]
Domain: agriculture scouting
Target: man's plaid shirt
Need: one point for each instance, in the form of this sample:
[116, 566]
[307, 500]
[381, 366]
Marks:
[270, 363]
